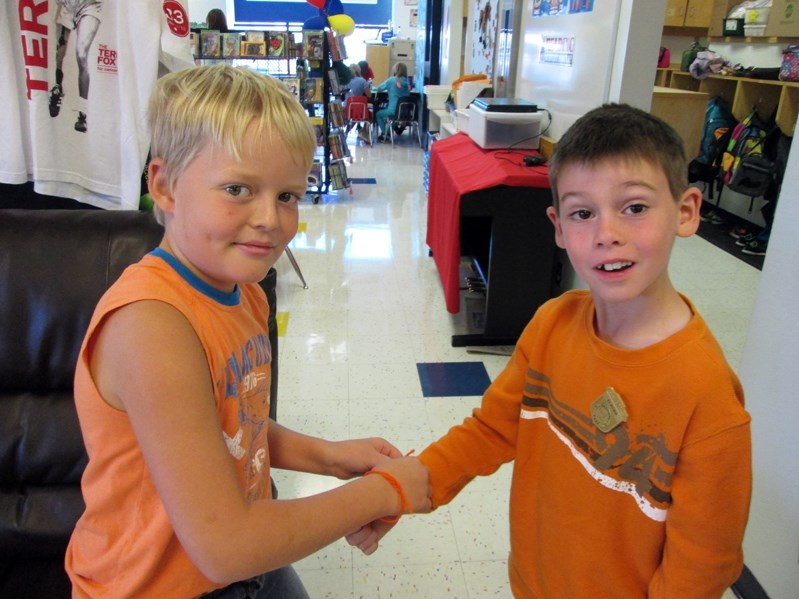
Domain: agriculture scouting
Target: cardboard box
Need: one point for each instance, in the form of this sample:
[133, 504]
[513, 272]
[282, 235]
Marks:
[783, 20]
[506, 129]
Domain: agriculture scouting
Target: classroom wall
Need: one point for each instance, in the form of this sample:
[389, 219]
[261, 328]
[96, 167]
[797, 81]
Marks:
[610, 52]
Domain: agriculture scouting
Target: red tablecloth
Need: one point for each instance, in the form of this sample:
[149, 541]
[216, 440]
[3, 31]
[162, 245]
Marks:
[459, 166]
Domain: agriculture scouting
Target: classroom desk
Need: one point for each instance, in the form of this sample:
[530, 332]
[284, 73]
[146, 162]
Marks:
[484, 204]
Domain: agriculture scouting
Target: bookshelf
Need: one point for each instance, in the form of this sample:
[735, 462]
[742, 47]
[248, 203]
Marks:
[273, 52]
[320, 98]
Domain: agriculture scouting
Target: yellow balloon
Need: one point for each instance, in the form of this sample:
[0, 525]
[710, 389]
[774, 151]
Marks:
[341, 24]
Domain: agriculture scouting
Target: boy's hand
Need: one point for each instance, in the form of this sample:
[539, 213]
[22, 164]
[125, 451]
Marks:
[413, 478]
[367, 538]
[348, 459]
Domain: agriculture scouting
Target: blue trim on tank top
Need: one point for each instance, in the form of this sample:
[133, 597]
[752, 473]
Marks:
[225, 298]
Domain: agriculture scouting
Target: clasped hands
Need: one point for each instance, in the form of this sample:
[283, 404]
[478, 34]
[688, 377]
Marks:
[411, 486]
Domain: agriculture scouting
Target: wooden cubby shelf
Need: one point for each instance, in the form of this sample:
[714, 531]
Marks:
[777, 98]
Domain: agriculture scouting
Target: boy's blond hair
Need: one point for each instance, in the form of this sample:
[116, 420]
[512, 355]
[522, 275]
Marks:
[621, 132]
[218, 104]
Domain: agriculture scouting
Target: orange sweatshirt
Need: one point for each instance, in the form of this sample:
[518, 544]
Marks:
[655, 507]
[124, 543]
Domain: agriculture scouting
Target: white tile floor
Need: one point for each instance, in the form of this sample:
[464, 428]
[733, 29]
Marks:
[373, 309]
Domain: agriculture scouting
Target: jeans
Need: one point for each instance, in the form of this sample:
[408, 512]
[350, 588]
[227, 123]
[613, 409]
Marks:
[278, 584]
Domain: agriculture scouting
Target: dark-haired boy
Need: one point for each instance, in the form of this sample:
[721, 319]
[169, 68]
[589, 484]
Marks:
[632, 449]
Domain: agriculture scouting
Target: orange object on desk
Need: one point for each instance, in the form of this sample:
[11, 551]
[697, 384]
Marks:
[459, 166]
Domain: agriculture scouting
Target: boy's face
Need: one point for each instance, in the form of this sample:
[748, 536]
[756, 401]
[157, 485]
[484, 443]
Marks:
[617, 220]
[229, 220]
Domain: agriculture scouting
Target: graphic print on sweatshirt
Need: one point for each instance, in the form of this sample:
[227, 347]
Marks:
[622, 460]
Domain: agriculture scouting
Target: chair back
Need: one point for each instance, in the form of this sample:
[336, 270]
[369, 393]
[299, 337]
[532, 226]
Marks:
[356, 108]
[406, 110]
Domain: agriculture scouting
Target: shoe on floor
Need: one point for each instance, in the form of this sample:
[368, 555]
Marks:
[745, 240]
[738, 232]
[708, 216]
[716, 219]
[80, 125]
[55, 100]
[363, 135]
[755, 248]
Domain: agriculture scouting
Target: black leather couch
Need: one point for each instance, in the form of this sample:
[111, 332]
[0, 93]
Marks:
[54, 266]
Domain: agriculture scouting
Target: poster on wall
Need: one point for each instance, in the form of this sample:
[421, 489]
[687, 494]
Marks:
[548, 8]
[485, 34]
[557, 50]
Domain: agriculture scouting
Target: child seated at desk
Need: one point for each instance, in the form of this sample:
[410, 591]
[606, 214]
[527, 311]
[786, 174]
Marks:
[397, 87]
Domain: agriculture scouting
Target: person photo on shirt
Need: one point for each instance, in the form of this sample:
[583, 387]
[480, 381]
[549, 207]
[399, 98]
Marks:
[83, 18]
[625, 424]
[172, 385]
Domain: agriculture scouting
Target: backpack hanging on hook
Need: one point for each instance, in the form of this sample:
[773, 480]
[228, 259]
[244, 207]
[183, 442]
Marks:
[745, 165]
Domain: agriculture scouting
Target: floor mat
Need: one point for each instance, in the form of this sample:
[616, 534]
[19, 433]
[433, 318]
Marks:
[453, 379]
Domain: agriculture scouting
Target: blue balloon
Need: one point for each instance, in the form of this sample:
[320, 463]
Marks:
[334, 7]
[318, 22]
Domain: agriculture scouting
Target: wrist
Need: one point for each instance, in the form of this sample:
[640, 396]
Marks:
[326, 455]
[399, 501]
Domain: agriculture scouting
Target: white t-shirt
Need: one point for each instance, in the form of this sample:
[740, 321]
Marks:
[101, 166]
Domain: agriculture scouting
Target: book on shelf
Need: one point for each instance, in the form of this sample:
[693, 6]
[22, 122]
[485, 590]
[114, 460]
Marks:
[253, 49]
[231, 45]
[292, 49]
[336, 114]
[318, 124]
[338, 174]
[210, 43]
[293, 83]
[196, 49]
[337, 145]
[332, 77]
[256, 36]
[332, 43]
[277, 44]
[313, 90]
[313, 44]
[319, 132]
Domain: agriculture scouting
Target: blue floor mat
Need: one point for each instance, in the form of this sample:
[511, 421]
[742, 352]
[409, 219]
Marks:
[452, 379]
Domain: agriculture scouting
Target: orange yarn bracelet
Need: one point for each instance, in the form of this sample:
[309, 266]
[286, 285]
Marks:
[406, 506]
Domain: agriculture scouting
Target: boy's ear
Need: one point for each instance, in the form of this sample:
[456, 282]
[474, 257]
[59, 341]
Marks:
[158, 185]
[689, 206]
[553, 216]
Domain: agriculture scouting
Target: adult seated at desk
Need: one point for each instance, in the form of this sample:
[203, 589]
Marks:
[397, 87]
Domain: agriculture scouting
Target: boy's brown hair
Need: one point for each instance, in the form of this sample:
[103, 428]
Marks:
[621, 132]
